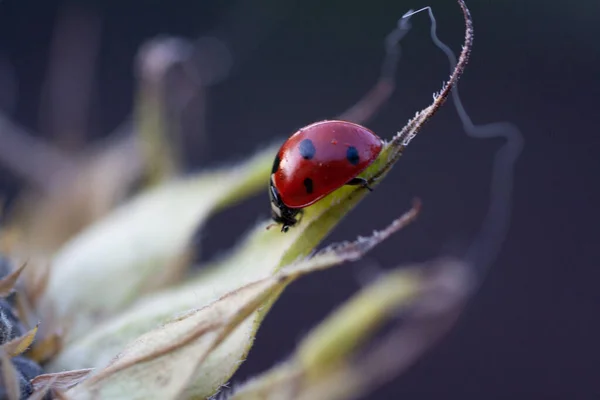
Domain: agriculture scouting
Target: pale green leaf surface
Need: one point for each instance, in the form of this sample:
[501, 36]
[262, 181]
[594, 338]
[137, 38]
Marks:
[329, 363]
[129, 252]
[342, 332]
[259, 256]
[178, 355]
[160, 363]
[444, 286]
[100, 345]
[335, 339]
[263, 253]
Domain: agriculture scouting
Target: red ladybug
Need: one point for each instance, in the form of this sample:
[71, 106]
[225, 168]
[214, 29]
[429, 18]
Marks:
[317, 160]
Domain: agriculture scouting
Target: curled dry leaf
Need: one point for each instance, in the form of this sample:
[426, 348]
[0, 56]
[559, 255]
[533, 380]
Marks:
[130, 251]
[45, 347]
[60, 380]
[173, 358]
[8, 282]
[19, 344]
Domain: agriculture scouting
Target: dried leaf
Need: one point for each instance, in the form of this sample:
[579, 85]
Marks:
[45, 347]
[7, 283]
[60, 380]
[19, 344]
[42, 392]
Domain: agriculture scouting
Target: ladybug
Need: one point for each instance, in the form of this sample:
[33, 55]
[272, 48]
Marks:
[315, 161]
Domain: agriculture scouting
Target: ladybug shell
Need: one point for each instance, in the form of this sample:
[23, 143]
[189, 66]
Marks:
[320, 158]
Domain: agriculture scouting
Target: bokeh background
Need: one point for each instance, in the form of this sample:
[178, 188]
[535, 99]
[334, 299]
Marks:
[532, 330]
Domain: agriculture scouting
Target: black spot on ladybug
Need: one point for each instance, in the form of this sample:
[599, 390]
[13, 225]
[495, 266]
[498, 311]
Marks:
[352, 155]
[308, 184]
[276, 164]
[307, 149]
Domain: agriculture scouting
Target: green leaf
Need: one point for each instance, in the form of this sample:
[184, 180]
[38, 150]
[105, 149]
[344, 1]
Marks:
[258, 257]
[135, 249]
[185, 356]
[328, 363]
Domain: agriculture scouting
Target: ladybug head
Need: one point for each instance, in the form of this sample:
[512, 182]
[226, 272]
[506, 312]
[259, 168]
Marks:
[281, 213]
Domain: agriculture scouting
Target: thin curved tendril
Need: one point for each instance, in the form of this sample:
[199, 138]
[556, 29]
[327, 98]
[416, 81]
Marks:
[410, 13]
[486, 246]
[410, 130]
[365, 108]
[392, 48]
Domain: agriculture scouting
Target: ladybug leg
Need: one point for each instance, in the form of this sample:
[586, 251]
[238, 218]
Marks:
[359, 182]
[297, 218]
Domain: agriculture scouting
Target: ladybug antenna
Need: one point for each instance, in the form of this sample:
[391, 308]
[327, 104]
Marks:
[484, 249]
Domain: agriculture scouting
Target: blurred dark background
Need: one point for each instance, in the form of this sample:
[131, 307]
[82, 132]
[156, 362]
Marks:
[532, 331]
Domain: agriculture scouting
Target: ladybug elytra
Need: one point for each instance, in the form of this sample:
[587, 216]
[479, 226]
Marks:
[315, 161]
